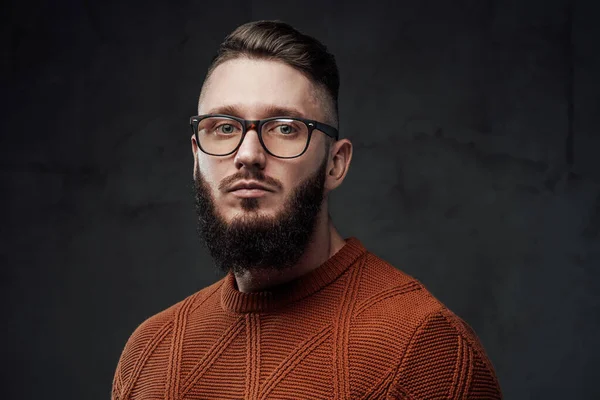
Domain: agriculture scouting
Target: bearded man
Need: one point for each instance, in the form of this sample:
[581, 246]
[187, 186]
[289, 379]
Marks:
[302, 313]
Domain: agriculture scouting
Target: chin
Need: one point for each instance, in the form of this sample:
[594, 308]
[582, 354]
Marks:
[249, 215]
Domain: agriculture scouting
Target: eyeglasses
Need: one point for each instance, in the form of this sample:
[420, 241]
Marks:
[282, 137]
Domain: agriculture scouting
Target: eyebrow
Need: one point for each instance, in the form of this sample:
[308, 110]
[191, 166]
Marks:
[267, 112]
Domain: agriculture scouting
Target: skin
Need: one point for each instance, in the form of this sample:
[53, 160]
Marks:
[252, 89]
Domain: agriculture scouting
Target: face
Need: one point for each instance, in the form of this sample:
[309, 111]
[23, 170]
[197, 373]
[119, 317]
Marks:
[244, 231]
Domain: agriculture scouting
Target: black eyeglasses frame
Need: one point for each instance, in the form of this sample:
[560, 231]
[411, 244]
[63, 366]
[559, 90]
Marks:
[257, 126]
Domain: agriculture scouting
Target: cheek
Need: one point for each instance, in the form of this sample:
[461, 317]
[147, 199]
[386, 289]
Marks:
[211, 173]
[292, 178]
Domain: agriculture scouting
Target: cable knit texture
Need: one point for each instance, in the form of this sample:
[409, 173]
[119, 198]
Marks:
[354, 328]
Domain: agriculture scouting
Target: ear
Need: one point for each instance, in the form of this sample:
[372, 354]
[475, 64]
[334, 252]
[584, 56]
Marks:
[195, 154]
[340, 156]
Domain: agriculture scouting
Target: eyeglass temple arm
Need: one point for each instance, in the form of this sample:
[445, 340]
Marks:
[326, 129]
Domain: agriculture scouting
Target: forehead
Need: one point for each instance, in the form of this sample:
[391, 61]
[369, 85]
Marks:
[253, 86]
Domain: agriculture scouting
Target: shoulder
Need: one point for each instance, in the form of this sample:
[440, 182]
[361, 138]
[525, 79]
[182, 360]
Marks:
[389, 293]
[435, 352]
[157, 322]
[446, 353]
[424, 340]
[153, 331]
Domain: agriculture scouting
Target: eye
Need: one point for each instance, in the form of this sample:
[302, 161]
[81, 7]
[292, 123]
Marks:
[285, 129]
[225, 128]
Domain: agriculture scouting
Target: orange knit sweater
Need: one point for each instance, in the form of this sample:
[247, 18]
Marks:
[354, 328]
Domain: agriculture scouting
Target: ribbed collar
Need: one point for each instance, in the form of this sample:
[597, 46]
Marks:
[264, 301]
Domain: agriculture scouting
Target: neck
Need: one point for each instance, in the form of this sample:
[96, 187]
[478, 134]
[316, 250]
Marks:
[324, 243]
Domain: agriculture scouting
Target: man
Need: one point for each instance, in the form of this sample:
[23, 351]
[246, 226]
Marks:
[302, 312]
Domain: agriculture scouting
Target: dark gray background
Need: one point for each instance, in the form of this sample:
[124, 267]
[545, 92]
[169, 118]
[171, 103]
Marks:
[476, 170]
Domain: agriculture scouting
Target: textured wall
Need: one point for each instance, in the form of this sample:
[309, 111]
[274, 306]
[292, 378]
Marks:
[475, 169]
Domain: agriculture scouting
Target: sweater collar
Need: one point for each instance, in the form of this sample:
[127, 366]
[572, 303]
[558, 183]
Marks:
[264, 301]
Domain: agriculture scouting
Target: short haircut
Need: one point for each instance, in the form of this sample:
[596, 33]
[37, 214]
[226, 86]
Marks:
[279, 41]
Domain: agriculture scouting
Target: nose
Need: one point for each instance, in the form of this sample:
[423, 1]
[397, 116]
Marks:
[250, 154]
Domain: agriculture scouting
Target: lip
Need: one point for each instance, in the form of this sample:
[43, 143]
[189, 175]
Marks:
[249, 192]
[250, 185]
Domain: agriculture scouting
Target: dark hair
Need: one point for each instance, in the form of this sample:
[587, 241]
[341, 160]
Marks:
[276, 40]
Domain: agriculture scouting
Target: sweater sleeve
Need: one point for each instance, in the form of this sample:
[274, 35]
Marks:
[136, 352]
[128, 356]
[445, 360]
[116, 385]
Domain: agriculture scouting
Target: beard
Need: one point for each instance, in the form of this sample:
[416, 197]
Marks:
[253, 241]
